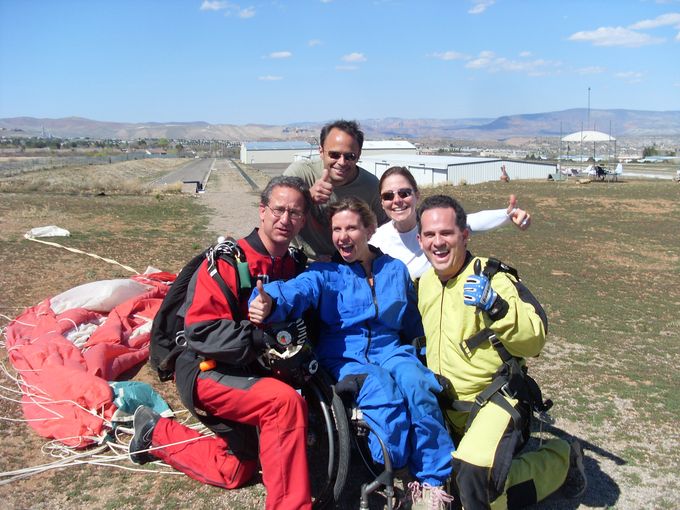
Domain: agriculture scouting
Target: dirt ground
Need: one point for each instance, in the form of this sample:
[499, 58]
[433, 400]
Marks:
[233, 199]
[613, 482]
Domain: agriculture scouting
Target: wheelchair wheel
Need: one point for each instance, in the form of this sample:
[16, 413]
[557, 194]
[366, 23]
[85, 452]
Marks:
[328, 441]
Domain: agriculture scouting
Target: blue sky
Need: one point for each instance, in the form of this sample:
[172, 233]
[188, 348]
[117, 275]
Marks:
[276, 61]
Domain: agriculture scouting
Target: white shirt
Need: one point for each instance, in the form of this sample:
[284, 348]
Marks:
[404, 246]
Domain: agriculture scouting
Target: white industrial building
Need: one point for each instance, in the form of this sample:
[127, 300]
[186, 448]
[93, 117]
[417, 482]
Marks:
[373, 148]
[433, 170]
[259, 153]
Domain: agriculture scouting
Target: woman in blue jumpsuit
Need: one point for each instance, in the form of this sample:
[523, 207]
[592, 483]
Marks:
[366, 304]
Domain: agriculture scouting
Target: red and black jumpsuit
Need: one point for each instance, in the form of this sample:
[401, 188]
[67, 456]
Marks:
[235, 397]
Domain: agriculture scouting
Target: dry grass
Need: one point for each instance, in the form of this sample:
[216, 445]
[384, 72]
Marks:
[124, 178]
[603, 259]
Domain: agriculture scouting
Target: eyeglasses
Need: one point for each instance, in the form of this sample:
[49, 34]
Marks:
[403, 193]
[293, 214]
[349, 156]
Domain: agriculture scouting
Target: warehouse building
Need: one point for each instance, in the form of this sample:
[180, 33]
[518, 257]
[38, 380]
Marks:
[265, 153]
[374, 148]
[433, 170]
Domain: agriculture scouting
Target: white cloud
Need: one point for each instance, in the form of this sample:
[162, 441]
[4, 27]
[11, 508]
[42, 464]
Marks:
[677, 36]
[229, 8]
[214, 5]
[614, 36]
[248, 12]
[630, 76]
[591, 70]
[480, 6]
[354, 57]
[525, 54]
[483, 60]
[346, 68]
[280, 54]
[269, 77]
[489, 61]
[448, 55]
[313, 42]
[672, 18]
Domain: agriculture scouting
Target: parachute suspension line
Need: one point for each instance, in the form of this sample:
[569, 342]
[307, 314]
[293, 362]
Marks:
[75, 250]
[42, 401]
[106, 455]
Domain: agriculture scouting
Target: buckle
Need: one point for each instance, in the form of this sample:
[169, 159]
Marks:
[180, 339]
[494, 341]
[506, 392]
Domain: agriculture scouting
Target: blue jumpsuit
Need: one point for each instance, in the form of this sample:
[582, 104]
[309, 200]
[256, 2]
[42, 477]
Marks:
[361, 331]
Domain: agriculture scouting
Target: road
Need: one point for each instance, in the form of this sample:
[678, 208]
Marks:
[193, 170]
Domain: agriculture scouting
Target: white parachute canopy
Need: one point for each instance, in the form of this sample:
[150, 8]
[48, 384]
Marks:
[588, 136]
[48, 231]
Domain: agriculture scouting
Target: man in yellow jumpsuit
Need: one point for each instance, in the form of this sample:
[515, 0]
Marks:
[480, 325]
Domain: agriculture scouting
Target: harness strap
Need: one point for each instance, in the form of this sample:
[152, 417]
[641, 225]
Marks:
[230, 252]
[495, 392]
[495, 265]
[478, 339]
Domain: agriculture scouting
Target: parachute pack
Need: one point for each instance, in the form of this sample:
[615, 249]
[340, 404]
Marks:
[167, 332]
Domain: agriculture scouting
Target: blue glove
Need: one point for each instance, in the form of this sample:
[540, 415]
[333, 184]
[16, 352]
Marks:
[478, 292]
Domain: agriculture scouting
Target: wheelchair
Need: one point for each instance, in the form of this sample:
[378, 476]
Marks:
[335, 428]
[328, 441]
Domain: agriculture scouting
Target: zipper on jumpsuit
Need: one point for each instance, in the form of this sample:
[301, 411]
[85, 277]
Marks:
[439, 340]
[375, 305]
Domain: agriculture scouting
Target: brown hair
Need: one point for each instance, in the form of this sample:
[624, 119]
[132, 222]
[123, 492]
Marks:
[355, 205]
[399, 170]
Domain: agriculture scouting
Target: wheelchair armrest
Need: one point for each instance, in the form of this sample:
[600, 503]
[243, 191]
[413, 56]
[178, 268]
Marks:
[348, 388]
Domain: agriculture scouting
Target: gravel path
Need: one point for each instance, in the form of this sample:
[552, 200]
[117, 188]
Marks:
[233, 199]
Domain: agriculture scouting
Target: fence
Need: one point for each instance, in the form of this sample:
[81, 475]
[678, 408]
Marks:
[16, 166]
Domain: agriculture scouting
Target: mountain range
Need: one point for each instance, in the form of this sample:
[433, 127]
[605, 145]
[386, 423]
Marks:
[617, 122]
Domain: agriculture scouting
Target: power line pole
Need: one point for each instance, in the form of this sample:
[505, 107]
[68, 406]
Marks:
[588, 123]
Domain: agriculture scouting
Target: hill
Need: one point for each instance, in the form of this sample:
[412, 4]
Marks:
[621, 123]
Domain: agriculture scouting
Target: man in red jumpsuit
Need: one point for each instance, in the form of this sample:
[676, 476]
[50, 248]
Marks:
[234, 397]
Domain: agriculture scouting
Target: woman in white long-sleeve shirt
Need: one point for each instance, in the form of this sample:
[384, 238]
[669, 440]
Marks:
[399, 236]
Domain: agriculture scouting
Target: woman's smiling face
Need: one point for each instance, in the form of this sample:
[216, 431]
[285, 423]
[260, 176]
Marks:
[350, 236]
[402, 199]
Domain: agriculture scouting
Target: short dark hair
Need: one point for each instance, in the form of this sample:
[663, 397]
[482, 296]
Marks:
[442, 202]
[350, 127]
[355, 205]
[287, 182]
[399, 170]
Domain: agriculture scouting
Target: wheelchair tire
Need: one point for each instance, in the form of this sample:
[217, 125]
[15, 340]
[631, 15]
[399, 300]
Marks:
[328, 441]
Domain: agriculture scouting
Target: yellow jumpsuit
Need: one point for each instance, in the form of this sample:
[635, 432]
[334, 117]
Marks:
[488, 473]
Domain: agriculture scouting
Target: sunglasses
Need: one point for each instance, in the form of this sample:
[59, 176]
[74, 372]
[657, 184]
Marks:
[403, 193]
[349, 156]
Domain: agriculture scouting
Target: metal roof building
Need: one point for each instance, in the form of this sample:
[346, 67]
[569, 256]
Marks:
[254, 153]
[432, 170]
[374, 148]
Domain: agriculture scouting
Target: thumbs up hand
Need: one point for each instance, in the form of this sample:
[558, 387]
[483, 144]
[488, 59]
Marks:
[261, 306]
[477, 290]
[519, 217]
[322, 188]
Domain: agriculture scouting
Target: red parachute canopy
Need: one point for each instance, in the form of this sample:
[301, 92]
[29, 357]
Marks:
[67, 348]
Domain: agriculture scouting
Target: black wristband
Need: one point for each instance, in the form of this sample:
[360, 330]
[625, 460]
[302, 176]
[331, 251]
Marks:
[499, 309]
